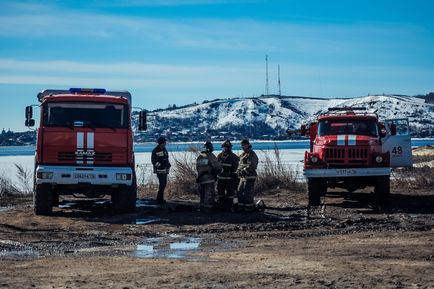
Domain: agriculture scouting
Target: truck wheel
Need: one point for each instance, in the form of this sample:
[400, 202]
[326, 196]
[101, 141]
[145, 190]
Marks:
[55, 198]
[315, 188]
[42, 200]
[124, 199]
[382, 189]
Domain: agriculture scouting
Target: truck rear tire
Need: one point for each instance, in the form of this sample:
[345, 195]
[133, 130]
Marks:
[382, 189]
[42, 200]
[124, 200]
[315, 188]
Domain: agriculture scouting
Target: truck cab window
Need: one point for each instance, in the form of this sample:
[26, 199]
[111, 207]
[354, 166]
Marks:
[88, 114]
[340, 127]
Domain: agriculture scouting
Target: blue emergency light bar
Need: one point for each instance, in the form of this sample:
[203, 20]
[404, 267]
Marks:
[87, 90]
[97, 91]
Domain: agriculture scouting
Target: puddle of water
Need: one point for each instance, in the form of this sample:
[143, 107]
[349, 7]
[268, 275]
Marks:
[4, 209]
[192, 244]
[102, 202]
[141, 203]
[149, 220]
[156, 248]
[67, 205]
[13, 249]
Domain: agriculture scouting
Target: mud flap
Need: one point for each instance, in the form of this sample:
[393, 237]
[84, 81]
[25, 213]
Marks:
[398, 144]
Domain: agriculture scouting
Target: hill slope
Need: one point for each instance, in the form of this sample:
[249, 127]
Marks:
[268, 117]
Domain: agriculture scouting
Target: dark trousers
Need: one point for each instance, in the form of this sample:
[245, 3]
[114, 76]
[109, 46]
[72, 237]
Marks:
[245, 194]
[226, 188]
[206, 196]
[162, 179]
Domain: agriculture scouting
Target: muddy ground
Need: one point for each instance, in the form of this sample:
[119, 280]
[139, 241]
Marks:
[345, 243]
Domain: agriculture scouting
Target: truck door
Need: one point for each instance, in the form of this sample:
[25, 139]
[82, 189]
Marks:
[398, 142]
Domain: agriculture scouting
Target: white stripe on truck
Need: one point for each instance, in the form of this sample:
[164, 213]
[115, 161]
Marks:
[80, 145]
[352, 140]
[341, 140]
[90, 147]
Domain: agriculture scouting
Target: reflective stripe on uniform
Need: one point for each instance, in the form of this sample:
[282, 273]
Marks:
[224, 178]
[226, 165]
[249, 177]
[206, 182]
[160, 154]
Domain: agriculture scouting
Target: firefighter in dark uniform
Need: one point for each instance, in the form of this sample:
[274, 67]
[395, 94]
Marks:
[161, 164]
[207, 169]
[247, 173]
[227, 179]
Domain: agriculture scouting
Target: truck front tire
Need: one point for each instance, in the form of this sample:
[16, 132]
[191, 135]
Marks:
[382, 189]
[42, 200]
[124, 199]
[315, 188]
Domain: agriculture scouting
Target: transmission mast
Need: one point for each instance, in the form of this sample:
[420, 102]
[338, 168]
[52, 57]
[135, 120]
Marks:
[267, 88]
[278, 81]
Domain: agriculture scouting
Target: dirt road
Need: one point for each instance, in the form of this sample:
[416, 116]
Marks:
[346, 243]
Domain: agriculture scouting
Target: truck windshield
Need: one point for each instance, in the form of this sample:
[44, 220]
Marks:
[85, 114]
[357, 127]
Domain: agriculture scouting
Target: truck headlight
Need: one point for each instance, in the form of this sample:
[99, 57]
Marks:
[123, 177]
[44, 175]
[314, 159]
[379, 159]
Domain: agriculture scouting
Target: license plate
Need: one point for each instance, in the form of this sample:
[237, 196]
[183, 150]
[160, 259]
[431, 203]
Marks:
[84, 176]
[346, 172]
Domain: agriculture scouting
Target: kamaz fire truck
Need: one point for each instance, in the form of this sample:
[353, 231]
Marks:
[84, 147]
[351, 149]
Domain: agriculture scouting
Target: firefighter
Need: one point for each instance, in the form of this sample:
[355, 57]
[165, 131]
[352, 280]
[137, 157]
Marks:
[247, 173]
[161, 164]
[207, 169]
[226, 179]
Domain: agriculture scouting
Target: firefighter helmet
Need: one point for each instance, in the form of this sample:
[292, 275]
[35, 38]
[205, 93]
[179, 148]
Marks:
[208, 146]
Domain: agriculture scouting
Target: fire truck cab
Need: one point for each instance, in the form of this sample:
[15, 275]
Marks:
[351, 149]
[84, 147]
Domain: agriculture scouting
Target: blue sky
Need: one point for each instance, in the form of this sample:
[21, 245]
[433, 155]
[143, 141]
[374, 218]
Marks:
[179, 52]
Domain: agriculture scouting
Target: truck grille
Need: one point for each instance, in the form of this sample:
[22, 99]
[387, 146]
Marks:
[66, 156]
[345, 156]
[71, 157]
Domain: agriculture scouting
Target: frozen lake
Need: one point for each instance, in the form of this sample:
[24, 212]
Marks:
[291, 154]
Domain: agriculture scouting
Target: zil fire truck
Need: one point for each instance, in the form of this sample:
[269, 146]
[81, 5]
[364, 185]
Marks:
[351, 149]
[84, 147]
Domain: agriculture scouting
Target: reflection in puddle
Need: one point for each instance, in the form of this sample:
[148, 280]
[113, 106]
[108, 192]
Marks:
[14, 249]
[144, 221]
[4, 209]
[157, 248]
[141, 203]
[67, 205]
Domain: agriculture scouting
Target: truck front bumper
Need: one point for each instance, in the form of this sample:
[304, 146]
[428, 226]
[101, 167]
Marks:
[71, 175]
[346, 172]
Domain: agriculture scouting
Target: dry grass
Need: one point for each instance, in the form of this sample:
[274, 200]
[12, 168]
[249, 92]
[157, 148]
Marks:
[413, 178]
[274, 175]
[22, 187]
[7, 188]
[182, 178]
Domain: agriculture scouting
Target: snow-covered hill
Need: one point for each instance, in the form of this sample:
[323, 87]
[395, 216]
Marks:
[268, 117]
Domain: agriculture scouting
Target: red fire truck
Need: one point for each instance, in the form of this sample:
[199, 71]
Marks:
[85, 147]
[351, 149]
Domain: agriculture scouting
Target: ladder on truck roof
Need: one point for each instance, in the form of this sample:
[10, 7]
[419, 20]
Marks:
[45, 92]
[346, 110]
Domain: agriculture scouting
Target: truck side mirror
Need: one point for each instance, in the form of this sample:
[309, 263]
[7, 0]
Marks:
[303, 129]
[382, 129]
[29, 114]
[393, 129]
[142, 120]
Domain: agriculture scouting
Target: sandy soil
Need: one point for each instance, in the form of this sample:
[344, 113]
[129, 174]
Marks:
[345, 243]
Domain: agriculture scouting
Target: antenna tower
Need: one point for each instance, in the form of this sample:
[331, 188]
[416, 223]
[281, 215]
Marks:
[267, 88]
[278, 81]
